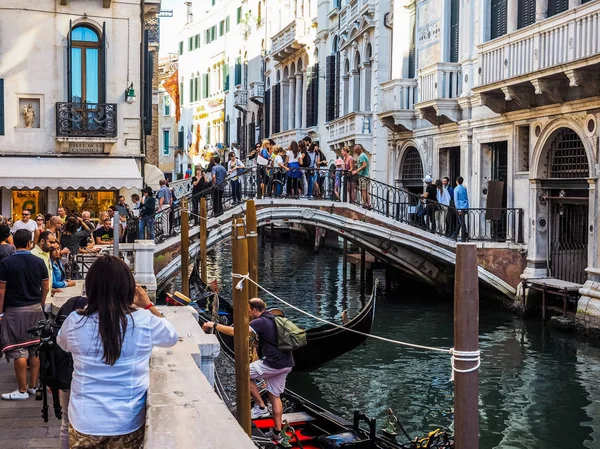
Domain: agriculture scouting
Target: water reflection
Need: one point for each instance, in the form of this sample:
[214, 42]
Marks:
[538, 386]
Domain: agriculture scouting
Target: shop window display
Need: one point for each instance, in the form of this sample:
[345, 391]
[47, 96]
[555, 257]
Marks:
[33, 200]
[95, 201]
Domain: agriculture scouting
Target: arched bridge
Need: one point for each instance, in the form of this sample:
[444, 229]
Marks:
[391, 230]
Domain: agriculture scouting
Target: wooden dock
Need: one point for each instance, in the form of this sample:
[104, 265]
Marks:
[21, 423]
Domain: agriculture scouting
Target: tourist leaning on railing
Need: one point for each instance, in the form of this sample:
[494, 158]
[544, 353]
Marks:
[461, 202]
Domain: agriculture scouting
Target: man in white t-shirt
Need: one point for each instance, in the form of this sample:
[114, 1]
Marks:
[25, 223]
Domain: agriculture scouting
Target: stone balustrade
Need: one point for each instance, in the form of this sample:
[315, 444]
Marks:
[439, 81]
[562, 39]
[398, 94]
[290, 39]
[284, 138]
[257, 91]
[240, 98]
[182, 408]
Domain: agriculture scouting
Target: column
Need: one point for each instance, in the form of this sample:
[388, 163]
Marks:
[512, 15]
[536, 222]
[284, 105]
[292, 106]
[541, 10]
[304, 98]
[144, 265]
[299, 101]
[344, 109]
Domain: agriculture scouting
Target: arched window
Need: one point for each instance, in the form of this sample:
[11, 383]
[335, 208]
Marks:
[367, 72]
[411, 171]
[356, 83]
[86, 65]
[346, 86]
[567, 156]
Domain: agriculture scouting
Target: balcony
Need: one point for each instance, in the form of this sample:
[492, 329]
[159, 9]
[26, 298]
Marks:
[550, 62]
[290, 39]
[352, 128]
[284, 138]
[88, 120]
[397, 104]
[240, 99]
[354, 9]
[439, 89]
[257, 92]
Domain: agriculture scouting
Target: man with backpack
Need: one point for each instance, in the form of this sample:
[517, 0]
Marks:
[273, 366]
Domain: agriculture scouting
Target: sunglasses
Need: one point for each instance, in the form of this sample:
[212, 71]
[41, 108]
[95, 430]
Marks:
[39, 219]
[26, 215]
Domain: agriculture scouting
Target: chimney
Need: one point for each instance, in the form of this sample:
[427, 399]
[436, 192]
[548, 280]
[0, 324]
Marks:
[189, 13]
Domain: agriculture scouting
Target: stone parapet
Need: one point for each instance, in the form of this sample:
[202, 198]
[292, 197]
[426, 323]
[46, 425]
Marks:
[182, 408]
[588, 306]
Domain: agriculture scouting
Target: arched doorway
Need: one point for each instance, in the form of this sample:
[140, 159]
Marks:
[566, 187]
[411, 171]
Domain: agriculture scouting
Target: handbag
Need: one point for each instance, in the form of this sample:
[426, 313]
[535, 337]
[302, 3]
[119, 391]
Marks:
[261, 160]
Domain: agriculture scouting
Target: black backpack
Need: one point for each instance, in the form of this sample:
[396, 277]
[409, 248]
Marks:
[63, 361]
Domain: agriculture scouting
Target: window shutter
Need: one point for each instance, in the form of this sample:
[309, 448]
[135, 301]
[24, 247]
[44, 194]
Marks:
[315, 117]
[336, 111]
[330, 88]
[454, 13]
[526, 12]
[268, 112]
[412, 51]
[1, 107]
[227, 141]
[309, 96]
[226, 77]
[276, 108]
[69, 64]
[180, 139]
[498, 16]
[227, 24]
[557, 6]
[238, 71]
[102, 63]
[149, 69]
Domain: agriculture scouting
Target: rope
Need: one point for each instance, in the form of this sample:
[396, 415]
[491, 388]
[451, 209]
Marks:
[456, 356]
[464, 356]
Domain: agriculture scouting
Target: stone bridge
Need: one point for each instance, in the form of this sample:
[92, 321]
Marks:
[415, 251]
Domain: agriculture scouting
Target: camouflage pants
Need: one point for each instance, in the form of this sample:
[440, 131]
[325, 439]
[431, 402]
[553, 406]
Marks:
[133, 440]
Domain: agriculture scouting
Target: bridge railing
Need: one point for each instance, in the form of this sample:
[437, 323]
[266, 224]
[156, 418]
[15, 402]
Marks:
[480, 224]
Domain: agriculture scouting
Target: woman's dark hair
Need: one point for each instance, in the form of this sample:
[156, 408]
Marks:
[312, 147]
[47, 217]
[110, 289]
[294, 148]
[71, 225]
[302, 146]
[439, 184]
[4, 232]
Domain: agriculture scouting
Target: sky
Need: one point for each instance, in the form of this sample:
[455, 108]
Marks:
[170, 26]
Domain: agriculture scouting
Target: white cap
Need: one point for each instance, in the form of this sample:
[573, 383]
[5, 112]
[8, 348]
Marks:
[428, 179]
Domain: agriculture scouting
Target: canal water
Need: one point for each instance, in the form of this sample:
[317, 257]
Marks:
[539, 387]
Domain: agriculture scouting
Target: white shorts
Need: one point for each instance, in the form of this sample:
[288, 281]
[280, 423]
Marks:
[275, 377]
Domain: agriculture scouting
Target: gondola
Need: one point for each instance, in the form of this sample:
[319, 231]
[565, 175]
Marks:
[309, 426]
[324, 343]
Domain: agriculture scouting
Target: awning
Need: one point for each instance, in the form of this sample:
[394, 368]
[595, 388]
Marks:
[152, 176]
[69, 173]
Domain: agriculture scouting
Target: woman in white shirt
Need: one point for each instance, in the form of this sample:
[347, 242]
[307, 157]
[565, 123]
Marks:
[111, 341]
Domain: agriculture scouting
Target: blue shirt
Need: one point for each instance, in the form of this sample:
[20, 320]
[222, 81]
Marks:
[165, 193]
[219, 172]
[461, 199]
[58, 275]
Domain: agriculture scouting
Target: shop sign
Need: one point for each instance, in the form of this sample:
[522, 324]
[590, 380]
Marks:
[86, 148]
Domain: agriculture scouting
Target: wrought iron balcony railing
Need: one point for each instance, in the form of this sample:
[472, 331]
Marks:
[86, 120]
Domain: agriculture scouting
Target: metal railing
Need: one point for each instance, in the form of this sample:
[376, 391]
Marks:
[86, 120]
[478, 224]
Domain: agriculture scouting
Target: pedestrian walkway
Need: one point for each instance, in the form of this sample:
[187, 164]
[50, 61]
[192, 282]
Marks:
[21, 423]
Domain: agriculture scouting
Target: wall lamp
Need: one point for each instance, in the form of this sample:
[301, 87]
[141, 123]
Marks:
[130, 94]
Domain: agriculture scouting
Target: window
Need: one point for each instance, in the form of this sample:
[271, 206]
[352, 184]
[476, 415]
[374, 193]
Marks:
[523, 148]
[86, 64]
[191, 90]
[221, 28]
[498, 19]
[205, 85]
[196, 88]
[557, 6]
[180, 47]
[196, 41]
[227, 24]
[1, 107]
[167, 103]
[454, 13]
[239, 14]
[526, 13]
[213, 2]
[190, 43]
[226, 77]
[238, 71]
[208, 133]
[207, 36]
[166, 141]
[181, 97]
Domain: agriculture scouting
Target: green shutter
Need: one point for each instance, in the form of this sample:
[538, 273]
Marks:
[221, 28]
[181, 97]
[238, 71]
[498, 16]
[454, 13]
[1, 107]
[557, 6]
[191, 90]
[526, 16]
[226, 77]
[227, 24]
[239, 14]
[181, 47]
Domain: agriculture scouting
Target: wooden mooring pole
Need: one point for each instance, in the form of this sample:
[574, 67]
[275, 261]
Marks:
[203, 234]
[345, 257]
[185, 248]
[241, 345]
[252, 238]
[466, 338]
